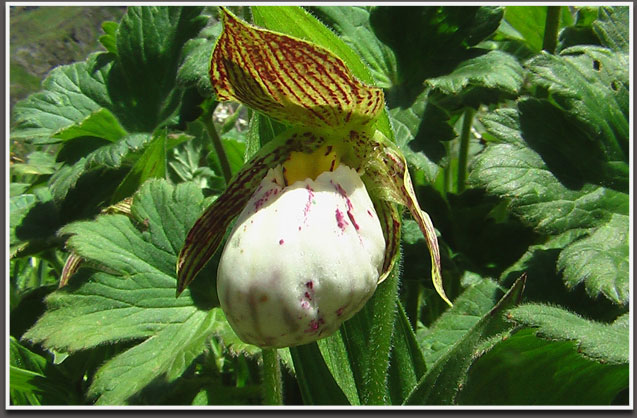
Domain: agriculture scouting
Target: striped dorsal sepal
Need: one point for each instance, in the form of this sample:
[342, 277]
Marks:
[289, 79]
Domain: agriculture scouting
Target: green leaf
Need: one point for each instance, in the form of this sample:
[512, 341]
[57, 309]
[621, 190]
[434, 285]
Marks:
[419, 130]
[529, 23]
[132, 297]
[152, 164]
[19, 207]
[100, 124]
[33, 380]
[33, 220]
[70, 93]
[559, 180]
[352, 25]
[526, 370]
[407, 364]
[590, 85]
[441, 35]
[38, 163]
[109, 40]
[612, 28]
[143, 79]
[235, 152]
[367, 337]
[440, 385]
[104, 156]
[456, 322]
[114, 155]
[494, 70]
[316, 382]
[604, 343]
[335, 355]
[165, 356]
[600, 261]
[195, 68]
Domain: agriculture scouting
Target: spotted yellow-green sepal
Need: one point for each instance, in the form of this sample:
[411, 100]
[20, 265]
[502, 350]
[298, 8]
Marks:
[204, 237]
[289, 79]
[389, 218]
[388, 170]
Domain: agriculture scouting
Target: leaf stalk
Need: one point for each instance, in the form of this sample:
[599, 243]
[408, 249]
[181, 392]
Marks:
[463, 153]
[217, 144]
[551, 28]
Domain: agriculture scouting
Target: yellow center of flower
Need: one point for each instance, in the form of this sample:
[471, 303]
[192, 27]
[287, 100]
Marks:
[301, 166]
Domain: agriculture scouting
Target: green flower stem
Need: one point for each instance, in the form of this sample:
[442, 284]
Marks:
[216, 143]
[467, 121]
[272, 383]
[551, 28]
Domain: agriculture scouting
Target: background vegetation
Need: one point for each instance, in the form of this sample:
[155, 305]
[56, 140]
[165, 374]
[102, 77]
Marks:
[514, 121]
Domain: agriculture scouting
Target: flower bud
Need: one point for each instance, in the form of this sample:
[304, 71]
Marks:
[301, 259]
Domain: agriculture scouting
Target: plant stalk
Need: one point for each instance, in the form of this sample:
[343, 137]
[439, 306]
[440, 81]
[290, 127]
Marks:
[218, 145]
[272, 383]
[463, 153]
[551, 28]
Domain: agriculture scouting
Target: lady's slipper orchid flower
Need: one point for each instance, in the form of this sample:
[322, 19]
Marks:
[318, 226]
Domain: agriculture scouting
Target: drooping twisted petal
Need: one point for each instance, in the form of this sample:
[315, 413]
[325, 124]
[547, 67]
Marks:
[389, 172]
[289, 79]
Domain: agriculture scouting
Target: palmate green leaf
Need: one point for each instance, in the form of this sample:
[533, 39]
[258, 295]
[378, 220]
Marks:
[133, 296]
[352, 25]
[109, 40]
[100, 124]
[443, 380]
[536, 193]
[151, 164]
[430, 41]
[194, 71]
[565, 169]
[604, 343]
[527, 370]
[69, 94]
[38, 163]
[612, 28]
[590, 84]
[487, 78]
[33, 380]
[110, 156]
[452, 325]
[142, 83]
[419, 131]
[33, 219]
[19, 206]
[600, 260]
[137, 84]
[164, 356]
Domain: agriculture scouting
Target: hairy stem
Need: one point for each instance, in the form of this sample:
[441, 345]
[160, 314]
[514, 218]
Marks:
[551, 28]
[467, 121]
[272, 383]
[216, 143]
